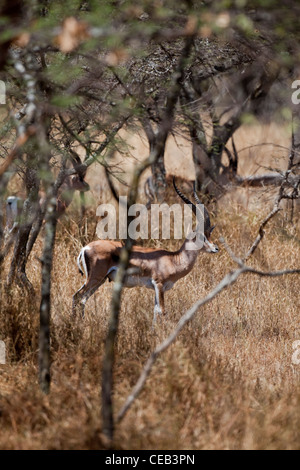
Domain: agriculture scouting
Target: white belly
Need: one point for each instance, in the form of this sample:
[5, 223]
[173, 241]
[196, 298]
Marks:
[131, 280]
[168, 285]
[138, 281]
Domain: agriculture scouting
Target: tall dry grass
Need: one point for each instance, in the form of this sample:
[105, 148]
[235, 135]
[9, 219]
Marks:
[228, 382]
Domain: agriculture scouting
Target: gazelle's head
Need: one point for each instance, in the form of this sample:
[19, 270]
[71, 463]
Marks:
[78, 184]
[204, 235]
[208, 246]
[14, 207]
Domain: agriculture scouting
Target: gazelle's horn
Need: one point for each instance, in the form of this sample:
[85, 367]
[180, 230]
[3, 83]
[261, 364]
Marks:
[204, 216]
[207, 226]
[184, 198]
[78, 165]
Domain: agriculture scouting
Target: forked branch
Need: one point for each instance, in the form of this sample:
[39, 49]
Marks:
[281, 195]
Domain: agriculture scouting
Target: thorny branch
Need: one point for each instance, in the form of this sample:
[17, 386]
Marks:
[276, 208]
[21, 140]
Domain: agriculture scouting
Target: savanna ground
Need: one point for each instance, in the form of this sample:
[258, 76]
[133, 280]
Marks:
[228, 382]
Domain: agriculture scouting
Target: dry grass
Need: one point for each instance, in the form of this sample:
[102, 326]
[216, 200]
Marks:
[228, 382]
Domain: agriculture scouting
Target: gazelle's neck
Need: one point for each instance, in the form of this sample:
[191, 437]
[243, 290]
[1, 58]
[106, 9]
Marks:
[186, 256]
[194, 242]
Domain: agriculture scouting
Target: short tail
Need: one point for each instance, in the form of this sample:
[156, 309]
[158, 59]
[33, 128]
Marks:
[82, 263]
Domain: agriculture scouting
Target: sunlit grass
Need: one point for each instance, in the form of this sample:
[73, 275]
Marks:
[227, 382]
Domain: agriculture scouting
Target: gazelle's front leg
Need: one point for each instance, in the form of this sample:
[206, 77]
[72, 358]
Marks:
[159, 307]
[83, 294]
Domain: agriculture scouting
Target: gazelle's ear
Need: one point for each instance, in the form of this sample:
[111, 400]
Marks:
[211, 228]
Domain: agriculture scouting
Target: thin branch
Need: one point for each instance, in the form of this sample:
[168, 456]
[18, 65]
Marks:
[261, 231]
[21, 140]
[90, 159]
[267, 179]
[281, 195]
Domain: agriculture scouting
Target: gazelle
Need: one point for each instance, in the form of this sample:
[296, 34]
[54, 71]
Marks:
[66, 192]
[149, 267]
[14, 207]
[14, 204]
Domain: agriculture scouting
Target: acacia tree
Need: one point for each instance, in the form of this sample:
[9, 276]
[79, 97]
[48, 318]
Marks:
[234, 71]
[77, 72]
[65, 93]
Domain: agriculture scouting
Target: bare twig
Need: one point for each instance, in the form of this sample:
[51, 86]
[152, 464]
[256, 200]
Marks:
[94, 157]
[21, 140]
[261, 231]
[276, 208]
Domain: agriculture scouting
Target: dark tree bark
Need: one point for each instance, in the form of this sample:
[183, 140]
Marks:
[1, 235]
[45, 306]
[159, 176]
[158, 170]
[14, 10]
[36, 228]
[211, 175]
[18, 263]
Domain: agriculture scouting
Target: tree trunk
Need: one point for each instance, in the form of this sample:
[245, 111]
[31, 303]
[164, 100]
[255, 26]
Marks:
[18, 263]
[36, 228]
[45, 306]
[3, 183]
[159, 177]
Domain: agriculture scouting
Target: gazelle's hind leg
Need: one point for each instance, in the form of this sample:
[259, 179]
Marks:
[83, 294]
[159, 307]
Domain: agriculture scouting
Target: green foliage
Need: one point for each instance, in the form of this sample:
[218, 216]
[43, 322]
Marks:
[245, 24]
[248, 119]
[65, 101]
[62, 71]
